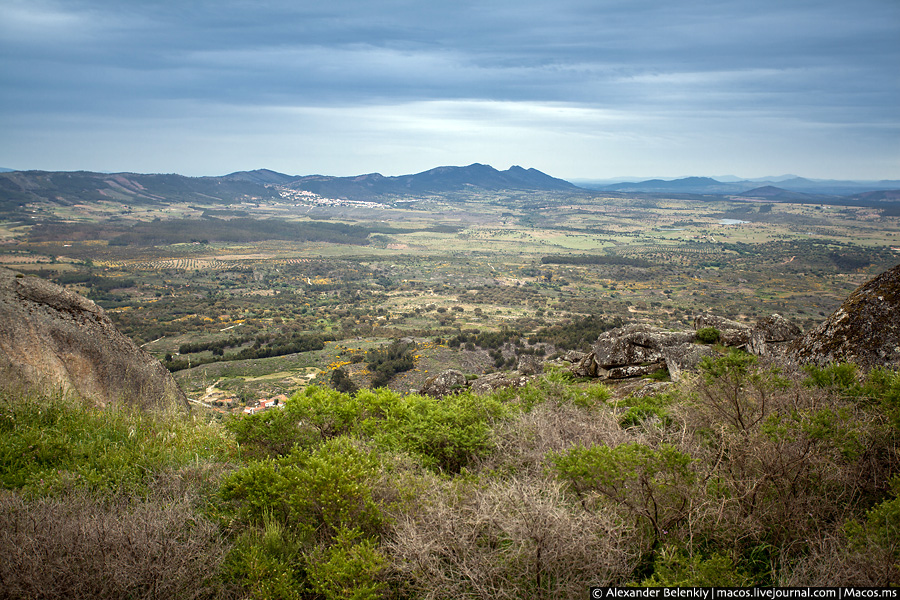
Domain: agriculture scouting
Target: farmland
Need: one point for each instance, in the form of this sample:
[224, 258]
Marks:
[429, 268]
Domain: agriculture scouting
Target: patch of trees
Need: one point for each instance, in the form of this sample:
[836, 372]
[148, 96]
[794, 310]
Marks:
[387, 361]
[276, 346]
[594, 259]
[577, 335]
[239, 230]
[95, 282]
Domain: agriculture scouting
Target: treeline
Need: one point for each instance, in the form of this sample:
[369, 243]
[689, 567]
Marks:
[579, 334]
[593, 259]
[276, 346]
[239, 230]
[95, 282]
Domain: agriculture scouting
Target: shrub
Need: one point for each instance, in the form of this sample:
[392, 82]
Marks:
[655, 486]
[53, 444]
[78, 547]
[708, 335]
[348, 569]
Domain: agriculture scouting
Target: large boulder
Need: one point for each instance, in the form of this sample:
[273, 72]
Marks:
[636, 345]
[444, 383]
[685, 357]
[529, 365]
[865, 329]
[731, 333]
[52, 339]
[776, 328]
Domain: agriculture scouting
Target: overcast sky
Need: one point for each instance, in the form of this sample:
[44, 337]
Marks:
[580, 89]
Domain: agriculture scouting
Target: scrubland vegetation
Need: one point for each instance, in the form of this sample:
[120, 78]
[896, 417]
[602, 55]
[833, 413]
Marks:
[745, 475]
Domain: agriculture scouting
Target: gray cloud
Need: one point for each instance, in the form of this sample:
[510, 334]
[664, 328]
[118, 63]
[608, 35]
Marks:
[496, 77]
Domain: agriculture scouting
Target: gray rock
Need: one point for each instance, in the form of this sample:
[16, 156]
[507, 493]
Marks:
[757, 343]
[496, 381]
[865, 329]
[574, 356]
[52, 339]
[629, 371]
[444, 383]
[720, 323]
[635, 345]
[652, 389]
[776, 328]
[529, 365]
[685, 357]
[588, 367]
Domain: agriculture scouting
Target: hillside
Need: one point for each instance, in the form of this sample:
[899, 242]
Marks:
[70, 188]
[434, 181]
[705, 185]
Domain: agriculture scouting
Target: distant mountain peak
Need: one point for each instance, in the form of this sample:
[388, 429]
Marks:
[436, 180]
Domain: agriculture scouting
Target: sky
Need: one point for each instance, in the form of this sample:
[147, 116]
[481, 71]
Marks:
[579, 89]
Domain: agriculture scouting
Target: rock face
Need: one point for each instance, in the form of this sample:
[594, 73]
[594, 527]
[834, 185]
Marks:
[864, 330]
[53, 339]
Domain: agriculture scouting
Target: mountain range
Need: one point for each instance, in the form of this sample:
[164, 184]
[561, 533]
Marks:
[707, 185]
[18, 188]
[437, 180]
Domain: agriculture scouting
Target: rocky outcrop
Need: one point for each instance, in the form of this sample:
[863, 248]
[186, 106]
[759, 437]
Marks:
[638, 350]
[52, 339]
[731, 333]
[497, 381]
[776, 328]
[530, 365]
[684, 358]
[444, 383]
[630, 351]
[865, 329]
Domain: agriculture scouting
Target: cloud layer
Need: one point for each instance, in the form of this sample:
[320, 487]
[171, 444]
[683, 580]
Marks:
[577, 88]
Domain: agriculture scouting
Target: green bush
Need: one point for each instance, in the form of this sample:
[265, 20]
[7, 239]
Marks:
[267, 563]
[653, 484]
[348, 569]
[708, 335]
[674, 567]
[55, 444]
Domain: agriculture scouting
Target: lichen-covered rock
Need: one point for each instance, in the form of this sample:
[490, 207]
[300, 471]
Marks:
[731, 333]
[685, 357]
[652, 389]
[776, 328]
[529, 365]
[496, 381]
[865, 329]
[588, 367]
[52, 339]
[635, 345]
[628, 371]
[574, 356]
[444, 383]
[720, 323]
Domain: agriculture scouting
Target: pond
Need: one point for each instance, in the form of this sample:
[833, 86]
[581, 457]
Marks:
[731, 222]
